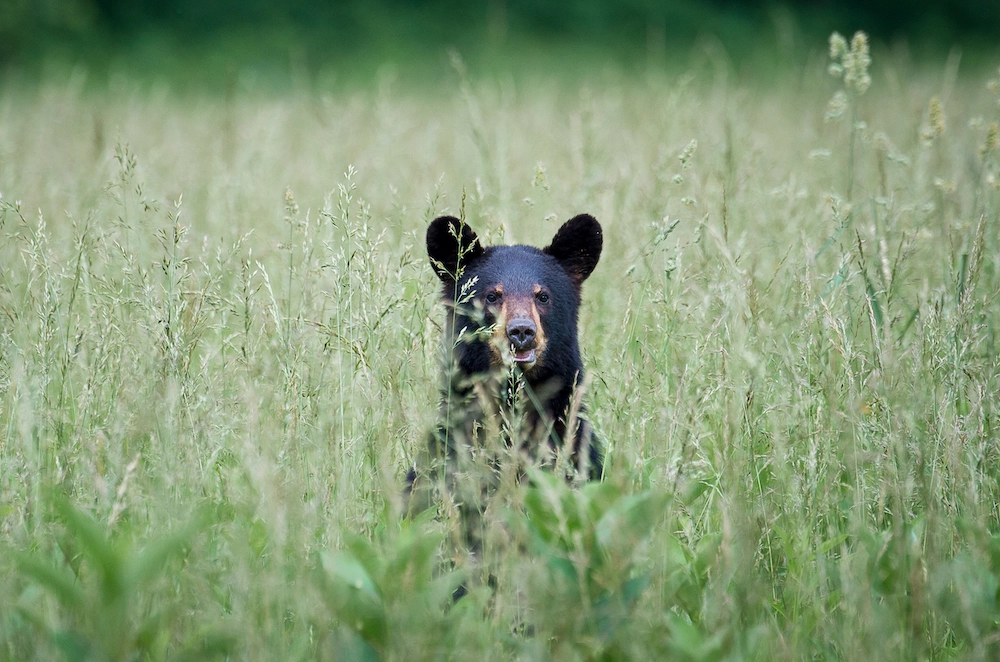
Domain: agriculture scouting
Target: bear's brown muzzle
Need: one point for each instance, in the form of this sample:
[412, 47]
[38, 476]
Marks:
[522, 334]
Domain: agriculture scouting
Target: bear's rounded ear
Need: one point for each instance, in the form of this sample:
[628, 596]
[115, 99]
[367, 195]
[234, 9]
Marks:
[577, 246]
[451, 245]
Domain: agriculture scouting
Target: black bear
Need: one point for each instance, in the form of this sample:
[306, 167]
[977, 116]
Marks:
[514, 374]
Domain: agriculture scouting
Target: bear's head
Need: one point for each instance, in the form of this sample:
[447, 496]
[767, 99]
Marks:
[515, 305]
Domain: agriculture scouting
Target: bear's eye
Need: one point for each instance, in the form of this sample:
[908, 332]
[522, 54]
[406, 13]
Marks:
[542, 297]
[493, 297]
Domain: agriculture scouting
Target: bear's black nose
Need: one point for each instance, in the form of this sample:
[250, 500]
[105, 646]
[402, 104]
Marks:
[521, 333]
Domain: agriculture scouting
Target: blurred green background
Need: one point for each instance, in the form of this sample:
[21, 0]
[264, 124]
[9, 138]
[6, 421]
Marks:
[206, 42]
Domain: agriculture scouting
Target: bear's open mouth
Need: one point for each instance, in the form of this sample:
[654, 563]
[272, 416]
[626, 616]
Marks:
[526, 356]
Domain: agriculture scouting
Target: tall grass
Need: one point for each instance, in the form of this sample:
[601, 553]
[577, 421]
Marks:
[220, 341]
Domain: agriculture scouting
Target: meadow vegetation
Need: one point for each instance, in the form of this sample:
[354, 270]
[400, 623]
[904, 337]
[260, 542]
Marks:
[220, 342]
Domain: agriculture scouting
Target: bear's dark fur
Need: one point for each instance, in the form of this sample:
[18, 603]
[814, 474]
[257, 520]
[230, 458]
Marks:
[514, 372]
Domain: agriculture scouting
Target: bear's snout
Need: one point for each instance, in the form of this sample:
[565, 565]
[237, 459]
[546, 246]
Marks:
[521, 332]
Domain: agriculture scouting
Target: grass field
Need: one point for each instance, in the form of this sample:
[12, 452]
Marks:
[219, 343]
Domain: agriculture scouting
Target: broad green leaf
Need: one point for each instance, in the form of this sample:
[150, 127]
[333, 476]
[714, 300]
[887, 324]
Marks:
[354, 597]
[73, 646]
[635, 587]
[693, 490]
[145, 565]
[60, 582]
[631, 519]
[95, 545]
[206, 646]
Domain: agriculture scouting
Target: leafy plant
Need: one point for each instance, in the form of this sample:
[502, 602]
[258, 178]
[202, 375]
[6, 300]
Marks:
[588, 542]
[389, 600]
[102, 591]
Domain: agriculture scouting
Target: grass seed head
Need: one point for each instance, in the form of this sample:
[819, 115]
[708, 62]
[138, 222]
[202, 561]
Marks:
[852, 63]
[936, 123]
[838, 46]
[837, 106]
[992, 138]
